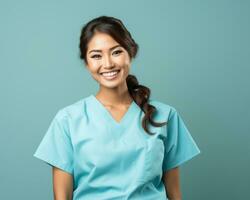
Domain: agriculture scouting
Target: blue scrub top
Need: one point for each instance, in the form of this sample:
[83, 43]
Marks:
[116, 160]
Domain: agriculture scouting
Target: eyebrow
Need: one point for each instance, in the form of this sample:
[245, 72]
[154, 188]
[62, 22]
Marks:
[96, 50]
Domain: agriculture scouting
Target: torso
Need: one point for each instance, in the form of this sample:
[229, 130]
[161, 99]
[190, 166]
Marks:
[113, 155]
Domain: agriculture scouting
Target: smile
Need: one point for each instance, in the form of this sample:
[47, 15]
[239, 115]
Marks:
[110, 75]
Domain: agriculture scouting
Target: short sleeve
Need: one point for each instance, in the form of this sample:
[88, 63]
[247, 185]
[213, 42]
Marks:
[56, 148]
[179, 144]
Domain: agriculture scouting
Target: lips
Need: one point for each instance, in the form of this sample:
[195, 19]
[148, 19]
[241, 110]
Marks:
[117, 70]
[112, 75]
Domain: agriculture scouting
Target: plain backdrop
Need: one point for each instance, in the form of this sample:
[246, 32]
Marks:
[194, 55]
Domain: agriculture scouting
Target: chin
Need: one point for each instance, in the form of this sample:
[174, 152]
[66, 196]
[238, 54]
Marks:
[111, 84]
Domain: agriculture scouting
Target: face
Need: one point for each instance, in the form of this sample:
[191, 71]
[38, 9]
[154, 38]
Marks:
[107, 61]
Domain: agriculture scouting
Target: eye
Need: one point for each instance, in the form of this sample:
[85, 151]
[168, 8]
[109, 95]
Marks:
[95, 56]
[117, 52]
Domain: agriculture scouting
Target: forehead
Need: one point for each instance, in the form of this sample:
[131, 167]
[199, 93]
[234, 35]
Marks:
[101, 41]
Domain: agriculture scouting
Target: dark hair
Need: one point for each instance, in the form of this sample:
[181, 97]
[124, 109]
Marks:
[115, 28]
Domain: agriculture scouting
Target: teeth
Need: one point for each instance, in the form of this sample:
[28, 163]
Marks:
[110, 73]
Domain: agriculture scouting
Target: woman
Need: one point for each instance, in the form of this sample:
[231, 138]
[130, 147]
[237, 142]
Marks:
[119, 143]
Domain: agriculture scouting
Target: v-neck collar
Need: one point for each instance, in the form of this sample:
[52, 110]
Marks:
[127, 117]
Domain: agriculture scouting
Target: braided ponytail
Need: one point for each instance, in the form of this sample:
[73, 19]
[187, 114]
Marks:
[141, 94]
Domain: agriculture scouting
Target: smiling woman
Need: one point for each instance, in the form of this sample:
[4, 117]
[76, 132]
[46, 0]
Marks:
[111, 145]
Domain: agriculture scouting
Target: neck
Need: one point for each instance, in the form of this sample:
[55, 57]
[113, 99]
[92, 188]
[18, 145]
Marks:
[114, 96]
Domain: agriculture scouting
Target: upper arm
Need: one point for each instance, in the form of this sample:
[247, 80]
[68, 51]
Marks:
[56, 147]
[62, 184]
[179, 143]
[171, 179]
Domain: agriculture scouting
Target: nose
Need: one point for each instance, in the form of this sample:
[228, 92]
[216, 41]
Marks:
[107, 62]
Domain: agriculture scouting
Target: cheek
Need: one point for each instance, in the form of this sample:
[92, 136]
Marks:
[127, 63]
[93, 66]
[127, 59]
[123, 60]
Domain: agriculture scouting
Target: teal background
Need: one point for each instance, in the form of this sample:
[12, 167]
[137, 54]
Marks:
[194, 55]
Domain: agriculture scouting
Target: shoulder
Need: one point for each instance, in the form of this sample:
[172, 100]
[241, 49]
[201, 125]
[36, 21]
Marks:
[73, 110]
[163, 108]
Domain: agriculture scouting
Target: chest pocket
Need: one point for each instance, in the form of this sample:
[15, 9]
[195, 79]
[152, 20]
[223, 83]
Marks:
[154, 158]
[154, 155]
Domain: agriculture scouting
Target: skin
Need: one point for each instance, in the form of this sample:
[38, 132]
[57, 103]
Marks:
[62, 184]
[105, 54]
[171, 180]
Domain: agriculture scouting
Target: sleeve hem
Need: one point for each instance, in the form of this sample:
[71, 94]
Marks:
[63, 167]
[181, 162]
